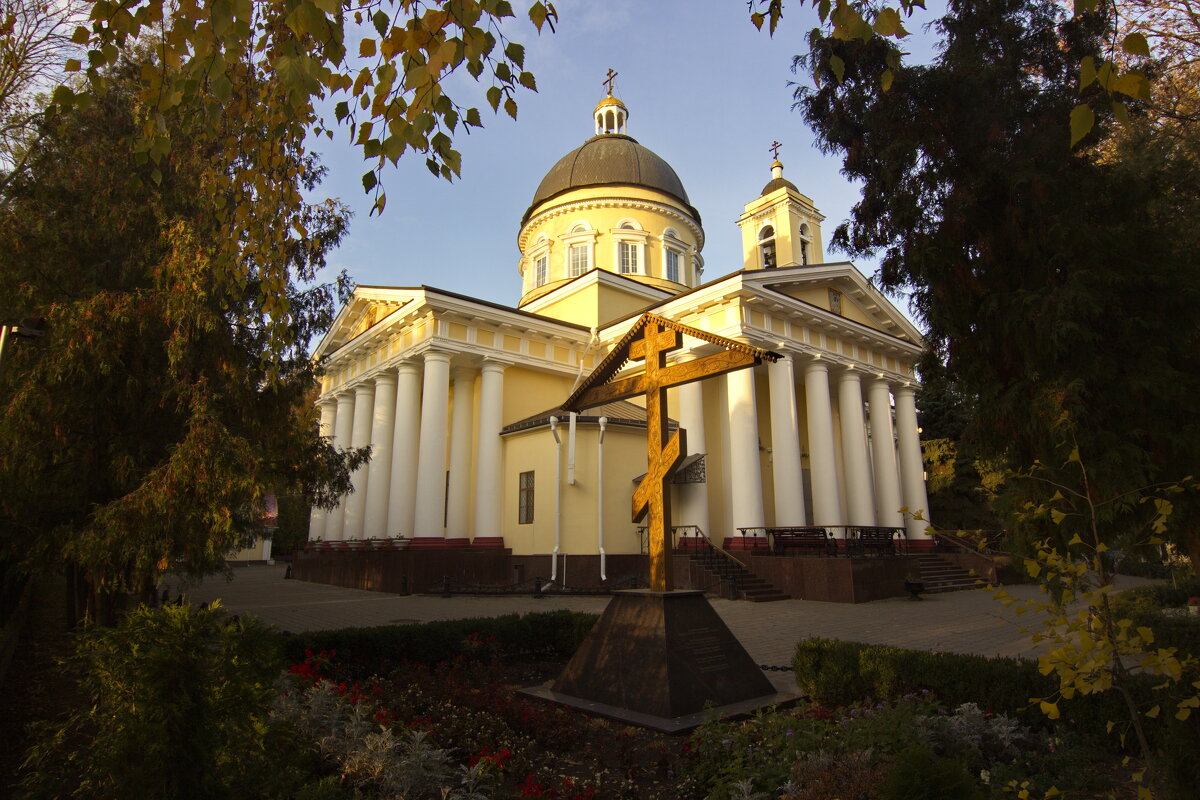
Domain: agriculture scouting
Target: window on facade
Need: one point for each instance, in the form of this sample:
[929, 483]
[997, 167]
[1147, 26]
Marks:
[629, 258]
[578, 258]
[543, 269]
[672, 266]
[525, 499]
[804, 244]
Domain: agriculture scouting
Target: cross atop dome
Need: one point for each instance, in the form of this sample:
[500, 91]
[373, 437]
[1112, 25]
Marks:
[776, 165]
[610, 113]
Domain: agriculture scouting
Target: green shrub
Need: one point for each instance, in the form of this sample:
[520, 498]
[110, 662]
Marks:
[177, 707]
[843, 672]
[918, 774]
[363, 652]
[838, 672]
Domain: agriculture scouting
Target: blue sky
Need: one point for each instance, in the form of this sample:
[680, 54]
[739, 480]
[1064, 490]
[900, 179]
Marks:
[705, 90]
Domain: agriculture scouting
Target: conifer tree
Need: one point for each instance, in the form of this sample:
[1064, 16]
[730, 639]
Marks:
[1054, 279]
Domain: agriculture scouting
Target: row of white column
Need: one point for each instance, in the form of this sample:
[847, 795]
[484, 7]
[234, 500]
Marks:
[402, 414]
[881, 475]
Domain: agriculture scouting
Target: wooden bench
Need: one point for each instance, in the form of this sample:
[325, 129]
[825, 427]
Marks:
[806, 539]
[871, 541]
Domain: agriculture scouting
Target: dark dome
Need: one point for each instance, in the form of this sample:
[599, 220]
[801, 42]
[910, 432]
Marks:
[610, 159]
[778, 183]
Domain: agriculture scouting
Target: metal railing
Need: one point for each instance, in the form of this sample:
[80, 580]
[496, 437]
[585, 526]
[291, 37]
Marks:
[979, 541]
[536, 586]
[822, 540]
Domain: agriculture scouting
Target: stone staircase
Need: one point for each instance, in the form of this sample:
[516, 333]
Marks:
[750, 586]
[939, 575]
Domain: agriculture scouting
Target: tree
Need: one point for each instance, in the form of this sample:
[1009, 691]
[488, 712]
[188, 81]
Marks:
[160, 406]
[34, 46]
[389, 84]
[1052, 280]
[961, 482]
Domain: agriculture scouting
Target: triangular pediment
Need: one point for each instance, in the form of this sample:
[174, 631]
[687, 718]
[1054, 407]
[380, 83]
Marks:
[861, 302]
[366, 308]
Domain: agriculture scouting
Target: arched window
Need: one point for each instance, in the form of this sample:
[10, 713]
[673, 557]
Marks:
[579, 254]
[674, 258]
[805, 241]
[766, 247]
[539, 258]
[629, 247]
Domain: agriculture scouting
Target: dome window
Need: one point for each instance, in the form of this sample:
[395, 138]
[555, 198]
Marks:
[579, 258]
[766, 247]
[674, 256]
[580, 250]
[630, 251]
[541, 273]
[629, 258]
[673, 265]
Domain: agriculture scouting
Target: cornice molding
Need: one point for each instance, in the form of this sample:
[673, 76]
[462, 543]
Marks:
[637, 204]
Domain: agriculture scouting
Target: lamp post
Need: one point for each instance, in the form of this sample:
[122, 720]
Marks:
[28, 329]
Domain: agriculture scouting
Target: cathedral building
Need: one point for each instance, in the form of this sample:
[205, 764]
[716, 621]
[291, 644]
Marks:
[460, 398]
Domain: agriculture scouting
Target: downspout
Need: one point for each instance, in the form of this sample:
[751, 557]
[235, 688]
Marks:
[557, 498]
[600, 497]
[571, 451]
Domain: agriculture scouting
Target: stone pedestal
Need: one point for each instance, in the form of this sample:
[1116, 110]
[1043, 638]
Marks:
[661, 660]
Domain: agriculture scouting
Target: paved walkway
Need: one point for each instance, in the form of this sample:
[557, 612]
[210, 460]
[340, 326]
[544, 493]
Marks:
[958, 622]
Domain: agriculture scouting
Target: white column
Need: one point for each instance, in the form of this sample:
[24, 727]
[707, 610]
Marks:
[883, 453]
[785, 444]
[827, 499]
[490, 460]
[356, 503]
[379, 482]
[912, 466]
[342, 431]
[745, 472]
[693, 497]
[860, 495]
[317, 519]
[458, 507]
[403, 494]
[431, 461]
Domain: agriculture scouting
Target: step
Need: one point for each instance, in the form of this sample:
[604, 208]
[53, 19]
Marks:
[940, 575]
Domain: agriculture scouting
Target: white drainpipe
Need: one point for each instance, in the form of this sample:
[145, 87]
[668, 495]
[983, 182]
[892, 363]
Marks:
[571, 452]
[557, 498]
[600, 497]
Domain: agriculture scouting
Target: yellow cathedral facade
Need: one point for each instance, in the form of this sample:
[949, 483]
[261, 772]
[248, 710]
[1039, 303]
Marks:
[460, 397]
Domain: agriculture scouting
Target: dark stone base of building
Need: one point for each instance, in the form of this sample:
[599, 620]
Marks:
[689, 665]
[835, 580]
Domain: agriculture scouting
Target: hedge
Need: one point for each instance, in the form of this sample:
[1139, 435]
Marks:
[841, 673]
[361, 652]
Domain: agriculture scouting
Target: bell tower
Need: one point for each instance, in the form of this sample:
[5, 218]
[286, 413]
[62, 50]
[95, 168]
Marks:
[781, 227]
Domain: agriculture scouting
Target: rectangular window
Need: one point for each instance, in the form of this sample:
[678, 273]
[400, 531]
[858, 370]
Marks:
[525, 499]
[579, 260]
[629, 258]
[673, 266]
[542, 269]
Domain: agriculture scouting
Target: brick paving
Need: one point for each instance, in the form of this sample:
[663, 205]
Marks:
[959, 622]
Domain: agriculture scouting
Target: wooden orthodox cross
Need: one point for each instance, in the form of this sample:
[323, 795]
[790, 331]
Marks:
[650, 339]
